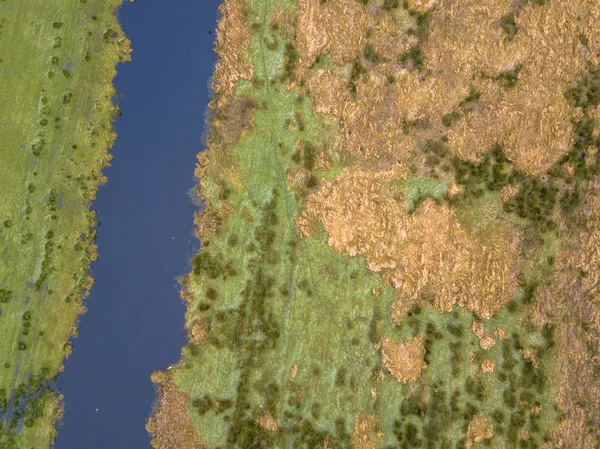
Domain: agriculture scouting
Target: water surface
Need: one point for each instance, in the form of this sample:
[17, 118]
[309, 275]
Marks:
[134, 320]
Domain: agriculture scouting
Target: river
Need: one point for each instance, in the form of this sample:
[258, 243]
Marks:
[134, 320]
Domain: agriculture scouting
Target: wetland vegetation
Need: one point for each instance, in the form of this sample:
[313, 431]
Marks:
[57, 62]
[386, 245]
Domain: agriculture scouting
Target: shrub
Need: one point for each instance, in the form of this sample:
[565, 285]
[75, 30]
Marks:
[203, 404]
[211, 293]
[5, 295]
[450, 117]
[414, 55]
[356, 73]
[586, 92]
[388, 5]
[290, 60]
[509, 26]
[510, 77]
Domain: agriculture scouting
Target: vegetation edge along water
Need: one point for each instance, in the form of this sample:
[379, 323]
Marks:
[57, 63]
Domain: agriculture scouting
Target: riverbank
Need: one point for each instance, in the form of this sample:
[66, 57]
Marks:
[57, 65]
[134, 319]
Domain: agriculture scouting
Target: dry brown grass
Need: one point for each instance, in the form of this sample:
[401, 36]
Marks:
[373, 124]
[205, 224]
[533, 119]
[172, 426]
[479, 429]
[465, 45]
[419, 97]
[509, 191]
[488, 366]
[199, 332]
[486, 341]
[387, 38]
[426, 253]
[404, 361]
[232, 44]
[267, 422]
[338, 27]
[328, 92]
[366, 433]
[421, 5]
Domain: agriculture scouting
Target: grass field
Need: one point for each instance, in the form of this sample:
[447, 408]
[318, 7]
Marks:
[57, 62]
[295, 344]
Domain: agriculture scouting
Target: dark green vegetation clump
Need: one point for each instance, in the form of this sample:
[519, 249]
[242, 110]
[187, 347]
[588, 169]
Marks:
[414, 55]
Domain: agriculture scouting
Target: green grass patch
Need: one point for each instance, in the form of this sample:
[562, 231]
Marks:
[416, 188]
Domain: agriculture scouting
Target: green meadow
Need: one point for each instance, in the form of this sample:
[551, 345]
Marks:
[57, 62]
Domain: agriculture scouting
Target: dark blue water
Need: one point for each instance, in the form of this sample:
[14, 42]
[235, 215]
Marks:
[134, 320]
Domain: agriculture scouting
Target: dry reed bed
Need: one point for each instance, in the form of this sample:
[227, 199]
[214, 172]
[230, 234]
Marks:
[425, 254]
[464, 48]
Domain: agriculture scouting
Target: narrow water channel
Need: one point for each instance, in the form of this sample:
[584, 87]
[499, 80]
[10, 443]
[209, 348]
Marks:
[134, 320]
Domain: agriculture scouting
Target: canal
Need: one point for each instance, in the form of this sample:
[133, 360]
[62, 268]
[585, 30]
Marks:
[134, 320]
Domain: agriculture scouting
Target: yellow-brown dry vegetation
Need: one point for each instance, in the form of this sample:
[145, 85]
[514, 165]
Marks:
[199, 332]
[532, 120]
[425, 254]
[328, 92]
[486, 341]
[366, 433]
[509, 191]
[404, 361]
[387, 38]
[488, 365]
[479, 429]
[337, 27]
[465, 47]
[173, 427]
[372, 124]
[267, 422]
[232, 44]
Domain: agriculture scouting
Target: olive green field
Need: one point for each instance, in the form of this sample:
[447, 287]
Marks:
[57, 62]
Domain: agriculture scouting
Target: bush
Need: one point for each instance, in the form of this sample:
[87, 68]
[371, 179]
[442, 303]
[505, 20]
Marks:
[414, 55]
[357, 72]
[450, 117]
[586, 92]
[510, 77]
[509, 26]
[388, 5]
[290, 60]
[5, 295]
